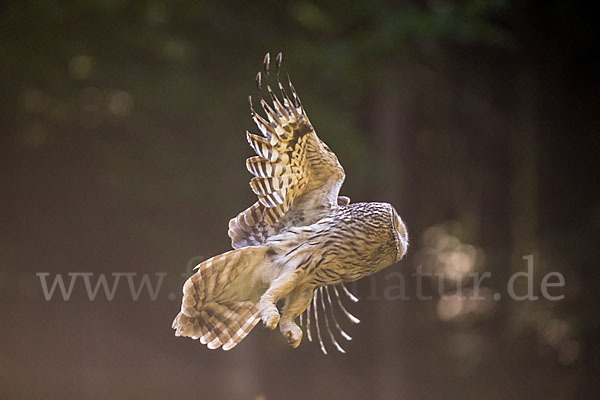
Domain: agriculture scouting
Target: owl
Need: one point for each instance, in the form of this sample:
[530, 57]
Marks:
[295, 243]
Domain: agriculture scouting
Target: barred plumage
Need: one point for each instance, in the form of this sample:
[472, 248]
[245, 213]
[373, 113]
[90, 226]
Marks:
[299, 239]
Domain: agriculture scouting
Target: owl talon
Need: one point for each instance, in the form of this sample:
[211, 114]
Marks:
[293, 336]
[270, 321]
[291, 332]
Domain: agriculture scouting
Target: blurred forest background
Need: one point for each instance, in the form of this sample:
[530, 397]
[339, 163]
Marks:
[122, 150]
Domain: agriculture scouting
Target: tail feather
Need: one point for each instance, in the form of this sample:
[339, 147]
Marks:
[216, 307]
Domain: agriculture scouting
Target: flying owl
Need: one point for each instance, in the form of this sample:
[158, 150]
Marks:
[299, 239]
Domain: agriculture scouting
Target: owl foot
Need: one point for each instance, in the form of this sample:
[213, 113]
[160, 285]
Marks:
[270, 318]
[292, 333]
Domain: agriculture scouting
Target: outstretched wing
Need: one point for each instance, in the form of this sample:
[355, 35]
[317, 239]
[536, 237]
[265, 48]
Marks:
[319, 294]
[297, 178]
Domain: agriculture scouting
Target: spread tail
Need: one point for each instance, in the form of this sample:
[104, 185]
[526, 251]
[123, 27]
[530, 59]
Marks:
[216, 306]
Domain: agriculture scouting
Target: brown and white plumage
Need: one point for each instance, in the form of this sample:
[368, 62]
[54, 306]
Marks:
[296, 242]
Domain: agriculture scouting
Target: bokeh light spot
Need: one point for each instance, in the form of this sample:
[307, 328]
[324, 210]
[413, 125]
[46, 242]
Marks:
[120, 103]
[80, 67]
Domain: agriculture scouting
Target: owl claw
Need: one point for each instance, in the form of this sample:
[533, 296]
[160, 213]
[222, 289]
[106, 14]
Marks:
[269, 315]
[293, 336]
[291, 332]
[270, 321]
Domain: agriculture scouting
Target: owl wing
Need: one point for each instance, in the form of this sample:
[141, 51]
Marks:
[297, 178]
[291, 160]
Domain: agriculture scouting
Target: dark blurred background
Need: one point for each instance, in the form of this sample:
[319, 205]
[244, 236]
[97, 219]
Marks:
[122, 150]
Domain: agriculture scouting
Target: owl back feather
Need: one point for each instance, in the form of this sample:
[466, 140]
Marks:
[248, 228]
